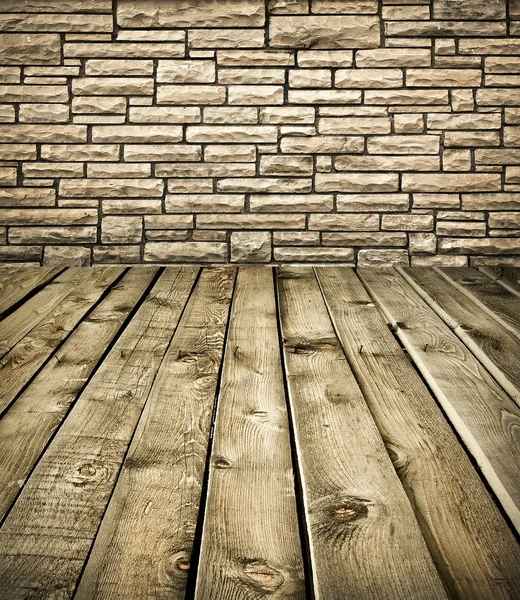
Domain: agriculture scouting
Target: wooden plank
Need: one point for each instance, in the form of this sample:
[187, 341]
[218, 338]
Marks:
[495, 347]
[29, 424]
[472, 546]
[18, 324]
[365, 541]
[488, 294]
[16, 283]
[250, 543]
[485, 418]
[508, 277]
[144, 544]
[46, 537]
[23, 360]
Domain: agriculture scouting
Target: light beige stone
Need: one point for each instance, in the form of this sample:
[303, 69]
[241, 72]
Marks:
[324, 96]
[326, 144]
[230, 153]
[393, 57]
[372, 202]
[226, 38]
[230, 115]
[469, 9]
[443, 77]
[214, 169]
[52, 235]
[43, 133]
[324, 58]
[125, 50]
[136, 133]
[123, 68]
[344, 222]
[231, 134]
[181, 203]
[404, 144]
[345, 6]
[324, 32]
[80, 152]
[17, 152]
[34, 93]
[255, 58]
[382, 258]
[369, 78]
[33, 49]
[417, 162]
[287, 115]
[268, 185]
[405, 97]
[48, 216]
[309, 78]
[491, 246]
[407, 222]
[354, 125]
[107, 86]
[255, 76]
[290, 202]
[356, 182]
[255, 94]
[248, 221]
[43, 113]
[292, 254]
[250, 246]
[164, 114]
[191, 94]
[286, 165]
[52, 170]
[99, 105]
[111, 188]
[186, 71]
[448, 182]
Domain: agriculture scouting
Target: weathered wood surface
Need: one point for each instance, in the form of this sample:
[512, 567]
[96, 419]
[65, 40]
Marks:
[473, 548]
[16, 283]
[326, 468]
[144, 544]
[30, 422]
[23, 360]
[250, 544]
[365, 541]
[46, 537]
[485, 418]
[494, 345]
[489, 294]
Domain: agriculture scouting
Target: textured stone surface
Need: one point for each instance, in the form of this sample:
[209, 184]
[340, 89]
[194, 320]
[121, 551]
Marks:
[251, 246]
[346, 131]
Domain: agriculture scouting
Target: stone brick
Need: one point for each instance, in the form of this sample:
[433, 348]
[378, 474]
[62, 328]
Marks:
[255, 94]
[369, 78]
[190, 13]
[324, 32]
[105, 170]
[491, 246]
[123, 50]
[112, 86]
[324, 96]
[344, 6]
[288, 7]
[42, 133]
[393, 57]
[34, 49]
[365, 238]
[48, 216]
[412, 123]
[372, 202]
[230, 115]
[405, 97]
[52, 235]
[17, 152]
[53, 170]
[344, 222]
[290, 202]
[465, 121]
[354, 125]
[185, 169]
[499, 201]
[43, 113]
[382, 258]
[187, 203]
[324, 58]
[231, 134]
[191, 94]
[8, 176]
[99, 105]
[467, 139]
[230, 153]
[111, 188]
[443, 77]
[436, 201]
[80, 152]
[447, 182]
[356, 182]
[258, 75]
[276, 221]
[461, 228]
[255, 58]
[117, 254]
[404, 144]
[250, 246]
[34, 93]
[186, 71]
[444, 28]
[136, 133]
[407, 222]
[417, 162]
[226, 38]
[66, 255]
[498, 97]
[334, 144]
[423, 243]
[117, 230]
[286, 165]
[292, 254]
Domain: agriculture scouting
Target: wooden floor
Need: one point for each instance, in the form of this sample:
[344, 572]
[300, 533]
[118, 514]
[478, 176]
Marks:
[254, 432]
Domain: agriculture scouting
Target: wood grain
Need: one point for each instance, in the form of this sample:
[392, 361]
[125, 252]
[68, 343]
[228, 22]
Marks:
[473, 547]
[365, 541]
[16, 283]
[30, 353]
[494, 345]
[28, 425]
[485, 418]
[46, 537]
[145, 541]
[488, 294]
[250, 544]
[508, 277]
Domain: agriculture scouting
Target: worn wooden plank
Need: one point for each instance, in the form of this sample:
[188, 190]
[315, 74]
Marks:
[250, 543]
[46, 537]
[144, 544]
[365, 541]
[29, 354]
[15, 326]
[508, 277]
[485, 418]
[18, 282]
[473, 547]
[494, 345]
[29, 424]
[488, 294]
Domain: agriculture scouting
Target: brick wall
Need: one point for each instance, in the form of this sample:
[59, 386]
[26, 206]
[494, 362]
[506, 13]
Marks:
[250, 131]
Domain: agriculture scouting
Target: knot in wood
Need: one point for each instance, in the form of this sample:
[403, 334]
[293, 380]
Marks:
[261, 577]
[178, 564]
[221, 462]
[87, 470]
[349, 510]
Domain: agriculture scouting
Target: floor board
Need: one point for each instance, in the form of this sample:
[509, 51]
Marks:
[241, 433]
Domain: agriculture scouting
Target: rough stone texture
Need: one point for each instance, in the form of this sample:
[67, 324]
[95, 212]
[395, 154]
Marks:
[370, 132]
[251, 246]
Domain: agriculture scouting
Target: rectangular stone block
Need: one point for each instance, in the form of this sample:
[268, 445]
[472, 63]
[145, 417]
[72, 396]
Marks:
[469, 9]
[186, 71]
[231, 134]
[372, 202]
[80, 152]
[48, 216]
[34, 49]
[354, 126]
[443, 77]
[161, 152]
[255, 94]
[226, 38]
[314, 254]
[407, 222]
[290, 202]
[136, 133]
[466, 121]
[121, 230]
[286, 165]
[44, 113]
[191, 94]
[230, 153]
[418, 162]
[322, 144]
[230, 115]
[448, 182]
[34, 93]
[65, 23]
[324, 96]
[196, 203]
[404, 144]
[175, 252]
[186, 169]
[112, 86]
[266, 185]
[164, 114]
[405, 97]
[255, 58]
[393, 57]
[344, 222]
[122, 68]
[168, 222]
[17, 152]
[190, 13]
[52, 235]
[369, 78]
[99, 105]
[43, 133]
[52, 170]
[444, 28]
[356, 182]
[125, 50]
[276, 221]
[324, 58]
[8, 176]
[111, 188]
[118, 170]
[309, 78]
[324, 32]
[61, 6]
[491, 246]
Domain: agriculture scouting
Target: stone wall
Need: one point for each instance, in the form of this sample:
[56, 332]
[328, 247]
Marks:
[350, 131]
